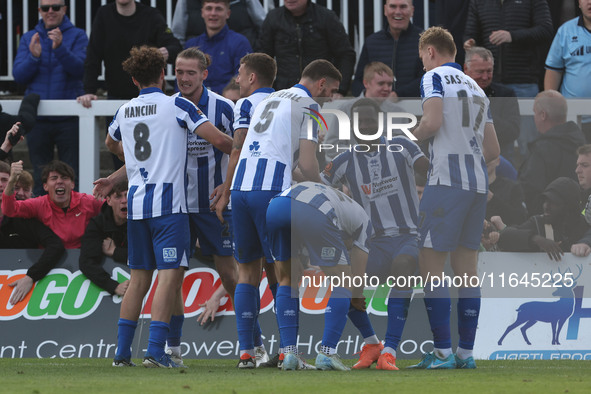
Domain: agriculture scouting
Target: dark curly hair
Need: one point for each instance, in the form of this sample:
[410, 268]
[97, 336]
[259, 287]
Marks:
[145, 64]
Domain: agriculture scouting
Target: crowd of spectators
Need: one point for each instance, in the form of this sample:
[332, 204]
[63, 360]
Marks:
[506, 54]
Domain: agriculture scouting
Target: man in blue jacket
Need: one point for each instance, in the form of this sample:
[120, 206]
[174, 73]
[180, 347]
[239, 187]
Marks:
[50, 61]
[397, 46]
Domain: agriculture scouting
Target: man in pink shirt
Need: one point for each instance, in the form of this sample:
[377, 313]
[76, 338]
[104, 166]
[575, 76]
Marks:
[63, 210]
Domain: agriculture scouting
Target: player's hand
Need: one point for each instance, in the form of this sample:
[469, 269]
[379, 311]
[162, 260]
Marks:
[499, 37]
[580, 250]
[102, 187]
[210, 307]
[20, 289]
[122, 288]
[220, 205]
[547, 245]
[469, 43]
[108, 247]
[35, 45]
[358, 303]
[86, 100]
[16, 169]
[164, 52]
[6, 145]
[56, 36]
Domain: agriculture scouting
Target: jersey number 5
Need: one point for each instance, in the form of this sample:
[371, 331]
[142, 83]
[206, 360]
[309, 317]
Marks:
[266, 117]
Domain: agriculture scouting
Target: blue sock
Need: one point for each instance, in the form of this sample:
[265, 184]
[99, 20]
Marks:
[288, 309]
[176, 330]
[273, 289]
[397, 312]
[157, 340]
[246, 312]
[335, 316]
[438, 304]
[468, 312]
[360, 319]
[256, 334]
[125, 333]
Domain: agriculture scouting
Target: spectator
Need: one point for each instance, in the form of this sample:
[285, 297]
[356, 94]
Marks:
[378, 79]
[63, 210]
[553, 153]
[583, 171]
[515, 33]
[505, 197]
[224, 46]
[503, 102]
[398, 47]
[106, 235]
[569, 61]
[560, 229]
[232, 91]
[50, 61]
[246, 18]
[17, 233]
[117, 27]
[452, 15]
[300, 32]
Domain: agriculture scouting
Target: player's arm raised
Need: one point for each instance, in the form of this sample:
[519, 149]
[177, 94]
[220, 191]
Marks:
[432, 119]
[215, 137]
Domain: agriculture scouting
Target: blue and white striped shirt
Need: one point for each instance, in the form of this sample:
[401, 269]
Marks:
[271, 147]
[153, 129]
[455, 152]
[207, 166]
[383, 183]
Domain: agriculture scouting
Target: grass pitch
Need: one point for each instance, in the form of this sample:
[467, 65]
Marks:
[220, 376]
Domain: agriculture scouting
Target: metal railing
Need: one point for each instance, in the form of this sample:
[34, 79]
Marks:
[167, 6]
[92, 128]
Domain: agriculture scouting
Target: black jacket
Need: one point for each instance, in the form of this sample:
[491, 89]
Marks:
[91, 252]
[401, 56]
[530, 25]
[295, 42]
[551, 155]
[507, 201]
[504, 108]
[112, 37]
[573, 229]
[18, 233]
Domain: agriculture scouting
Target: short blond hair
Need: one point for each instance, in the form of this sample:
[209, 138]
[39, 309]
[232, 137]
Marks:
[374, 68]
[440, 39]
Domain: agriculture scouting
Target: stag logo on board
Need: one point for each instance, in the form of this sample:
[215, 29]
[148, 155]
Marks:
[557, 312]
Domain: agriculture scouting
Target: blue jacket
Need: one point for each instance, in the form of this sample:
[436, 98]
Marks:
[56, 74]
[225, 49]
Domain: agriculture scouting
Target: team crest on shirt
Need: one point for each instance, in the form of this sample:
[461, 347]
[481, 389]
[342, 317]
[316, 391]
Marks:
[375, 169]
[144, 174]
[254, 149]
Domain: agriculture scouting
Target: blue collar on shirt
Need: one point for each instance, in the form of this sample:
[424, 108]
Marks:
[219, 35]
[150, 90]
[264, 90]
[454, 65]
[203, 101]
[305, 89]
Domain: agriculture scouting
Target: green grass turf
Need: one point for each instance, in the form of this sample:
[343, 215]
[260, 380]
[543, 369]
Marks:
[221, 376]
